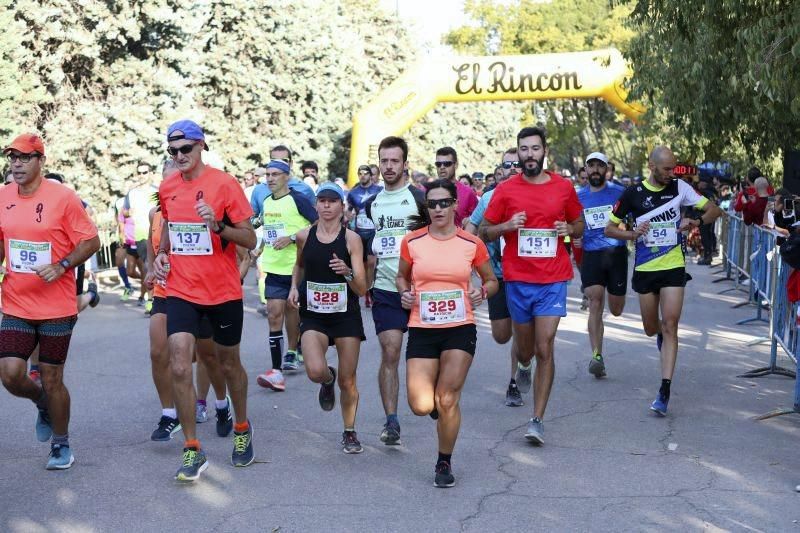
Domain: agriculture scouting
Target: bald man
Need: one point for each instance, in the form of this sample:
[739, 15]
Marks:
[659, 274]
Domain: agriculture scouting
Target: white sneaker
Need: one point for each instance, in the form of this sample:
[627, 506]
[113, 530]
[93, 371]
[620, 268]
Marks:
[272, 379]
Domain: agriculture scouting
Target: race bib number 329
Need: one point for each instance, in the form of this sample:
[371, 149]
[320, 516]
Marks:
[537, 242]
[442, 307]
[190, 238]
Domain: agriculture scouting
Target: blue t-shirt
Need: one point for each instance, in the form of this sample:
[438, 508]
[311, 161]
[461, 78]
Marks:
[261, 192]
[494, 247]
[356, 199]
[596, 213]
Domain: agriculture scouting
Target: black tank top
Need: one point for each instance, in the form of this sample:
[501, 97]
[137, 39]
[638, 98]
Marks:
[327, 289]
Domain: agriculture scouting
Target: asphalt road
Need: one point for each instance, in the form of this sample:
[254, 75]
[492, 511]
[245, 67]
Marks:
[607, 464]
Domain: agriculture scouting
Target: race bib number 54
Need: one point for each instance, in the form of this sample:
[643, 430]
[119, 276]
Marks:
[661, 234]
[442, 307]
[25, 255]
[537, 242]
[190, 238]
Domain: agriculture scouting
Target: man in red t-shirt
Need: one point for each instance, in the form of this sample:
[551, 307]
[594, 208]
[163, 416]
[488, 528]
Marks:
[446, 166]
[533, 212]
[206, 215]
[44, 233]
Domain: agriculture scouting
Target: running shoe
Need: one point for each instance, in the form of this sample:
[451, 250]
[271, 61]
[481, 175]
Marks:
[200, 413]
[61, 457]
[95, 294]
[243, 447]
[659, 405]
[194, 464]
[444, 476]
[523, 378]
[327, 392]
[140, 301]
[126, 294]
[597, 367]
[262, 310]
[584, 303]
[225, 419]
[35, 376]
[390, 435]
[659, 341]
[148, 307]
[272, 379]
[513, 396]
[535, 432]
[290, 361]
[434, 414]
[350, 442]
[300, 354]
[44, 429]
[167, 427]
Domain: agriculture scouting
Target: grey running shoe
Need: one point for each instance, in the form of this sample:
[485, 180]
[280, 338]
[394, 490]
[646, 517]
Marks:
[243, 454]
[44, 429]
[60, 458]
[327, 392]
[535, 432]
[523, 378]
[201, 413]
[390, 435]
[597, 367]
[513, 397]
[194, 464]
[350, 442]
[290, 362]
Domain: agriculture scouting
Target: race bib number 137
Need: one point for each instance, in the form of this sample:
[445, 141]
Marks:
[190, 238]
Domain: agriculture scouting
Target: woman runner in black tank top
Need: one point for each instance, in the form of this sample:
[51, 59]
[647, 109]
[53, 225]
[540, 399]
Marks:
[327, 281]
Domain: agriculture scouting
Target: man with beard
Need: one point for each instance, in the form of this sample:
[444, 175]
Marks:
[659, 274]
[604, 262]
[534, 211]
[364, 226]
[446, 166]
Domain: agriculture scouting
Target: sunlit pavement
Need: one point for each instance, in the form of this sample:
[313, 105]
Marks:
[607, 464]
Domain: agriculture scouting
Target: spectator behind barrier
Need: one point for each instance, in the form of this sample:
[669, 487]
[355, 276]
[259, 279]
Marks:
[753, 203]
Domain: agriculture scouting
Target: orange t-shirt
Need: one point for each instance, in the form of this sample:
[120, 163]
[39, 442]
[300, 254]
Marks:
[38, 230]
[155, 237]
[203, 267]
[441, 271]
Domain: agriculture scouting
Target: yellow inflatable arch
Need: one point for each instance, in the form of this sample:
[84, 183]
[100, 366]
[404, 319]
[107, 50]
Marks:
[595, 74]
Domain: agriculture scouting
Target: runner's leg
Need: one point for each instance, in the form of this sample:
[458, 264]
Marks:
[348, 349]
[292, 317]
[648, 305]
[391, 342]
[421, 377]
[453, 368]
[545, 327]
[235, 378]
[275, 316]
[58, 399]
[208, 364]
[616, 304]
[159, 360]
[596, 295]
[671, 303]
[181, 349]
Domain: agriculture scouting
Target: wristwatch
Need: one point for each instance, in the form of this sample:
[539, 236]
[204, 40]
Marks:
[220, 226]
[64, 264]
[349, 277]
[293, 237]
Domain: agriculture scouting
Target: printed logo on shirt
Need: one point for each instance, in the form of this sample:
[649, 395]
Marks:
[390, 222]
[404, 202]
[39, 209]
[11, 206]
[647, 203]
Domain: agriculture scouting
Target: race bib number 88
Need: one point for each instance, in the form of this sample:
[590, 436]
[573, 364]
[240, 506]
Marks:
[537, 242]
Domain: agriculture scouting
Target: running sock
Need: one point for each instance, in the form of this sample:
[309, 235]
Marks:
[349, 430]
[60, 440]
[276, 348]
[664, 390]
[513, 382]
[392, 420]
[193, 444]
[201, 402]
[172, 413]
[446, 457]
[123, 273]
[221, 404]
[241, 428]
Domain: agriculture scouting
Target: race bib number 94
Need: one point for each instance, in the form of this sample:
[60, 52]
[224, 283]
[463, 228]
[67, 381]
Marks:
[25, 255]
[190, 238]
[597, 217]
[386, 243]
[442, 307]
[661, 234]
[537, 242]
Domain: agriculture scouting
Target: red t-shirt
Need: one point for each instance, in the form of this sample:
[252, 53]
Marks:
[467, 202]
[38, 230]
[545, 259]
[203, 268]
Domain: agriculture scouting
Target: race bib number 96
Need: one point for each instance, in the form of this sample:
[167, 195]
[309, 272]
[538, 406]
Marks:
[386, 243]
[537, 242]
[326, 297]
[442, 307]
[25, 255]
[190, 238]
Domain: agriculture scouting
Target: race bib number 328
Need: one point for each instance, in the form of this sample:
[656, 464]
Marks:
[326, 297]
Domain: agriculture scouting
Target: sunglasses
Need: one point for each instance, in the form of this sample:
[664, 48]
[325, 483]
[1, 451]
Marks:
[446, 164]
[510, 164]
[185, 149]
[444, 203]
[25, 158]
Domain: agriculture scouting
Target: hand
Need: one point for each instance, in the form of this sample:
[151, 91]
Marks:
[255, 253]
[205, 212]
[49, 273]
[149, 280]
[562, 228]
[294, 298]
[641, 229]
[281, 243]
[687, 224]
[517, 221]
[408, 298]
[158, 267]
[339, 266]
[476, 296]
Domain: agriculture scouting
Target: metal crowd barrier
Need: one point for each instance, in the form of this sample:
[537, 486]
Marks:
[751, 253]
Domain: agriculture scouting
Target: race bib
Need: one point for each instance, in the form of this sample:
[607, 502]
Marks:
[272, 232]
[386, 243]
[25, 255]
[442, 307]
[597, 217]
[364, 222]
[536, 242]
[502, 246]
[190, 238]
[326, 297]
[661, 234]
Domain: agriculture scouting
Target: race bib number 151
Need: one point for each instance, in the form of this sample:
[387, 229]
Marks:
[537, 242]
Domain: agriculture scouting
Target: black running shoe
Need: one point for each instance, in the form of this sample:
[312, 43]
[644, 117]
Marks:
[327, 393]
[390, 435]
[95, 295]
[167, 427]
[444, 476]
[194, 464]
[434, 414]
[225, 420]
[243, 447]
[350, 442]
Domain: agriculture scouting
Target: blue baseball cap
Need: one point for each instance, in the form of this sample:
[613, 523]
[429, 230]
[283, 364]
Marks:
[283, 166]
[330, 190]
[186, 129]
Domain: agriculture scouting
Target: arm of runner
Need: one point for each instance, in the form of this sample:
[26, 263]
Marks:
[297, 271]
[83, 251]
[356, 248]
[403, 282]
[243, 258]
[2, 256]
[490, 284]
[240, 233]
[150, 276]
[491, 232]
[162, 254]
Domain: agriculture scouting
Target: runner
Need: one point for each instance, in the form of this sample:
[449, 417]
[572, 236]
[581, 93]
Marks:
[330, 264]
[390, 210]
[285, 212]
[603, 261]
[446, 166]
[205, 214]
[45, 232]
[534, 211]
[434, 280]
[362, 223]
[137, 205]
[125, 232]
[499, 315]
[659, 274]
